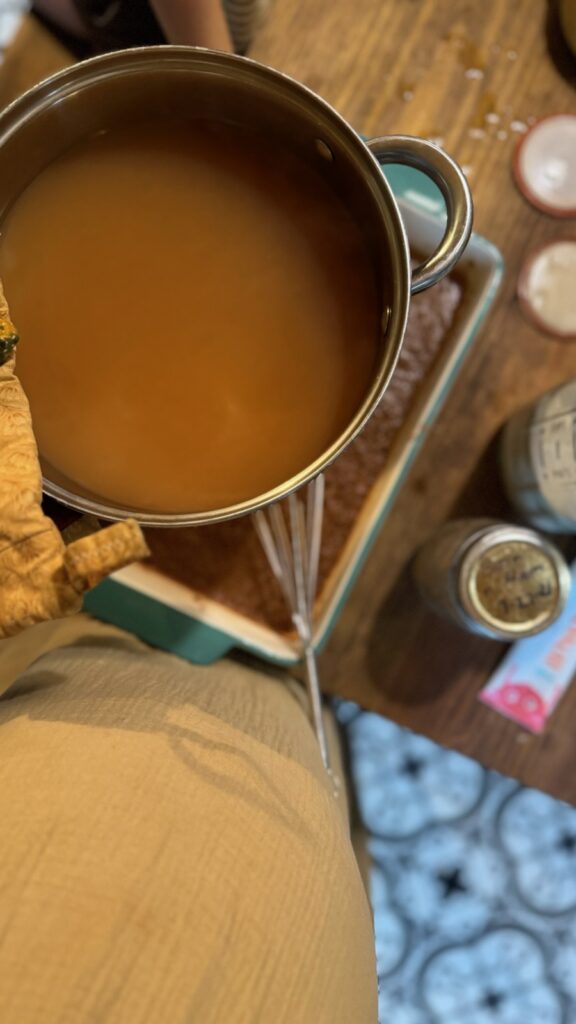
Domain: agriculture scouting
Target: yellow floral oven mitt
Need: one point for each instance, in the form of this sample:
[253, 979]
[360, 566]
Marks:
[40, 576]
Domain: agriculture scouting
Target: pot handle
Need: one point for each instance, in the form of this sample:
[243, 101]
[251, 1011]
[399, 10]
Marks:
[446, 174]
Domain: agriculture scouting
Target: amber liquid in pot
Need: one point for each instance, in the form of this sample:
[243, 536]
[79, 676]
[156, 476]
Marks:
[197, 312]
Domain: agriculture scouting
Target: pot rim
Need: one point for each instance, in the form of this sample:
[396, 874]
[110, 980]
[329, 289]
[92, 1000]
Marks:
[121, 63]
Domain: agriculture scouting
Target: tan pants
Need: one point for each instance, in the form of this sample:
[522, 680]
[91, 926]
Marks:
[170, 848]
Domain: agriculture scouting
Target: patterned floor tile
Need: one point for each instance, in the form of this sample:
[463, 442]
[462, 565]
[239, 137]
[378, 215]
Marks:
[473, 884]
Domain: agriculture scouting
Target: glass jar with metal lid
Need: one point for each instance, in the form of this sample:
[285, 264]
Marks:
[538, 458]
[496, 579]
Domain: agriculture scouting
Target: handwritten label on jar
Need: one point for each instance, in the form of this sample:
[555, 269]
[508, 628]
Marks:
[514, 582]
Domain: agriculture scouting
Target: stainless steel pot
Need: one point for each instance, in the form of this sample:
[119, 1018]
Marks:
[172, 80]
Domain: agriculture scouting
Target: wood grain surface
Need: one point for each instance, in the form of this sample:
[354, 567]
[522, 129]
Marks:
[434, 68]
[401, 67]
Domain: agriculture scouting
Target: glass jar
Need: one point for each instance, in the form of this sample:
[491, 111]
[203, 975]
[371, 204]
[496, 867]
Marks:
[538, 459]
[492, 578]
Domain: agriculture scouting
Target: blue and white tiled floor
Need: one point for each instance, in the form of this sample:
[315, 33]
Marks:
[473, 885]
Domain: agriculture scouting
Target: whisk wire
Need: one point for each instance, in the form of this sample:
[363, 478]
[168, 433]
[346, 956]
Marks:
[293, 552]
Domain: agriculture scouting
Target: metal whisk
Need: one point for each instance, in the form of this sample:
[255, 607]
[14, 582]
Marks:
[291, 542]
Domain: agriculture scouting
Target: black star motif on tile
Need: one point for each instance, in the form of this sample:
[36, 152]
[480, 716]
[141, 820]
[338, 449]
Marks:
[412, 766]
[404, 860]
[452, 882]
[500, 906]
[567, 842]
[493, 1000]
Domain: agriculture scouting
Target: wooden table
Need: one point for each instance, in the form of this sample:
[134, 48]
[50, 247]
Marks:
[400, 66]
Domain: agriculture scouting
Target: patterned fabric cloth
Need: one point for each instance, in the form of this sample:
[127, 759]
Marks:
[473, 884]
[244, 18]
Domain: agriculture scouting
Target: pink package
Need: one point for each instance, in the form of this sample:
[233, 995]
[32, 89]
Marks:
[535, 672]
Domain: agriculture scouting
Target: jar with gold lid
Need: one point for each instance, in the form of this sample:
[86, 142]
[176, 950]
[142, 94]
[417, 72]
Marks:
[496, 579]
